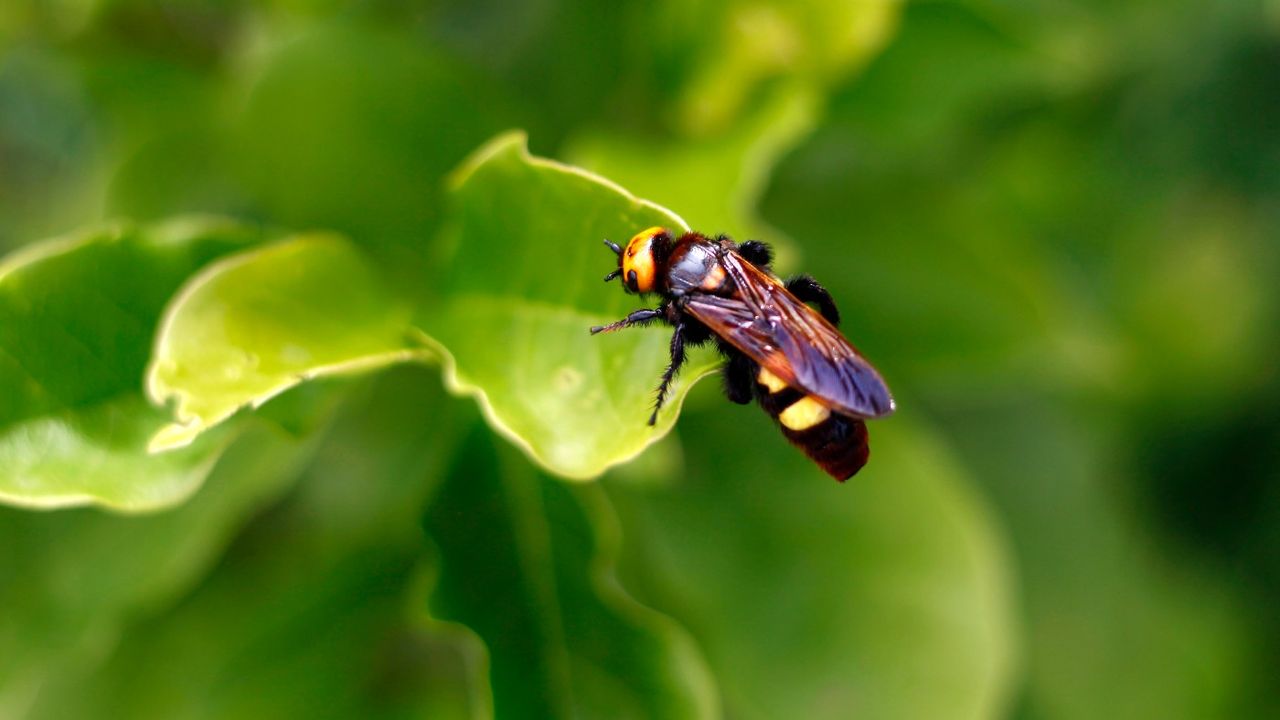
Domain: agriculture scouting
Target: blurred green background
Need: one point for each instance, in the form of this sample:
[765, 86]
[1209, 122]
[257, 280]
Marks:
[1053, 225]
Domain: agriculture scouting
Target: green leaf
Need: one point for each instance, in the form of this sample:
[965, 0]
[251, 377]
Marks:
[716, 182]
[335, 623]
[81, 573]
[717, 173]
[741, 45]
[98, 455]
[521, 291]
[274, 634]
[817, 599]
[351, 125]
[527, 564]
[256, 324]
[77, 317]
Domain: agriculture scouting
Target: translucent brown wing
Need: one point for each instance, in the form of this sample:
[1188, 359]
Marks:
[792, 341]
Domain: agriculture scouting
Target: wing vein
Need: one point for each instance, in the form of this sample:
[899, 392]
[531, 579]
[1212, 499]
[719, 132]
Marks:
[791, 340]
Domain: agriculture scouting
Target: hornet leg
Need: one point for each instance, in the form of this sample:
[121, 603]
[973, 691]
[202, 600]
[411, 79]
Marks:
[756, 253]
[739, 376]
[807, 290]
[643, 316]
[677, 359]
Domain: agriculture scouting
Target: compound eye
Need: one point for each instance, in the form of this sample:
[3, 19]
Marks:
[638, 265]
[640, 268]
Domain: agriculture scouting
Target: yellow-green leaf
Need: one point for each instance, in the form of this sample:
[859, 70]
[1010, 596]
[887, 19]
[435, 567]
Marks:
[523, 287]
[76, 321]
[256, 324]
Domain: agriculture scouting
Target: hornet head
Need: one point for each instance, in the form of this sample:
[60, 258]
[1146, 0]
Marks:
[639, 263]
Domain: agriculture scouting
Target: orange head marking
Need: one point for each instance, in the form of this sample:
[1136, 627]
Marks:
[639, 266]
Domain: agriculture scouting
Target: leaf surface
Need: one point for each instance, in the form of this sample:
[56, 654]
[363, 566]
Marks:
[76, 321]
[315, 610]
[522, 289]
[81, 573]
[255, 325]
[870, 590]
[527, 564]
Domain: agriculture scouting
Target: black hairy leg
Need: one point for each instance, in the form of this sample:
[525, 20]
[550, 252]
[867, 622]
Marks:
[807, 290]
[640, 317]
[677, 359]
[739, 374]
[756, 253]
[688, 332]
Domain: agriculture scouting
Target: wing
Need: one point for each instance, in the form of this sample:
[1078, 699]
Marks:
[792, 341]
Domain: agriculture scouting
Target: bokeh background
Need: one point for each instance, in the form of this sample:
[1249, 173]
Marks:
[1053, 224]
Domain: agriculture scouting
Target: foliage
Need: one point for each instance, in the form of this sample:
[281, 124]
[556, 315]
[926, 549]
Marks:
[318, 430]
